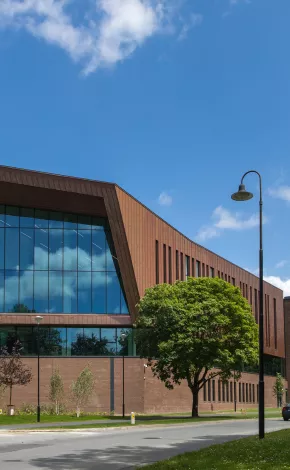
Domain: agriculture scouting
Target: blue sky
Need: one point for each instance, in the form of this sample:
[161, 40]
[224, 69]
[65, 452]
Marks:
[172, 99]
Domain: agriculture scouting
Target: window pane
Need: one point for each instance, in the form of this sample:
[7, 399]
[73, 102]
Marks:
[2, 233]
[12, 216]
[70, 250]
[1, 292]
[124, 308]
[2, 216]
[27, 218]
[24, 334]
[84, 250]
[75, 341]
[26, 291]
[112, 261]
[55, 220]
[99, 292]
[26, 248]
[5, 333]
[55, 292]
[123, 343]
[99, 223]
[52, 340]
[12, 248]
[11, 290]
[98, 250]
[70, 221]
[55, 249]
[109, 338]
[41, 219]
[41, 291]
[92, 344]
[84, 222]
[69, 292]
[41, 250]
[84, 292]
[113, 294]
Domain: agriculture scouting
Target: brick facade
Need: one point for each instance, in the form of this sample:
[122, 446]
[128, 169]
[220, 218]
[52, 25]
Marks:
[143, 392]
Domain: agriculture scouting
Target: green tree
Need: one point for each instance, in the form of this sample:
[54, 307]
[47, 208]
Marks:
[82, 389]
[90, 346]
[56, 390]
[12, 370]
[196, 330]
[278, 389]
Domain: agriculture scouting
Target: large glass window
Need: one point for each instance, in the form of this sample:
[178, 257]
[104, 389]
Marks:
[51, 262]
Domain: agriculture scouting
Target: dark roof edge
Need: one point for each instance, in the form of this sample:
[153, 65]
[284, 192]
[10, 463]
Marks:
[189, 239]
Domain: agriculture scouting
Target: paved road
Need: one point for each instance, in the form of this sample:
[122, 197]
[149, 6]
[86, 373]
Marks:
[118, 449]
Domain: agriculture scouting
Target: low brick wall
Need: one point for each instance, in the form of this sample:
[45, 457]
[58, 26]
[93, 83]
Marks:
[143, 392]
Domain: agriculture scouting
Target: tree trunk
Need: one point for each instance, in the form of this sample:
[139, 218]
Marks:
[78, 411]
[10, 399]
[194, 412]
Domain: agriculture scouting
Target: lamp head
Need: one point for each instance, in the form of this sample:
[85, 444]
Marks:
[242, 194]
[38, 319]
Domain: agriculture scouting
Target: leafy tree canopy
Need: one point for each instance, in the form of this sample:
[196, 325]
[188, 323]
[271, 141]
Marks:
[193, 327]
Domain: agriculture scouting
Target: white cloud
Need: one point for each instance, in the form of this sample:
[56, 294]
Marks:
[281, 264]
[106, 32]
[195, 19]
[165, 199]
[281, 192]
[225, 220]
[283, 284]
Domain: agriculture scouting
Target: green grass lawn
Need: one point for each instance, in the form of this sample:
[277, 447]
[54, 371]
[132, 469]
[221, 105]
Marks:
[26, 419]
[272, 453]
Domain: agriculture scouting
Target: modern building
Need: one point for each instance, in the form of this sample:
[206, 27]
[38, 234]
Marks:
[81, 253]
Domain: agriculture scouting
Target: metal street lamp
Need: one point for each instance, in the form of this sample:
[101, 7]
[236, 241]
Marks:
[243, 195]
[38, 320]
[123, 337]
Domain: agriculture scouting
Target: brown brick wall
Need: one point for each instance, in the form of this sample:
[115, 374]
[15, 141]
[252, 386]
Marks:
[143, 392]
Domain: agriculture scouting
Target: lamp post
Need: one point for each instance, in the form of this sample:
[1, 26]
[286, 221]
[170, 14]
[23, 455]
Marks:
[123, 337]
[38, 320]
[243, 195]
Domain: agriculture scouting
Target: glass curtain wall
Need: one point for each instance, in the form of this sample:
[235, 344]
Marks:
[53, 262]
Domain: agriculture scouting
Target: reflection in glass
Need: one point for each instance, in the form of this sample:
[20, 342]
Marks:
[98, 250]
[27, 218]
[26, 292]
[70, 221]
[41, 291]
[2, 216]
[55, 249]
[1, 291]
[41, 219]
[108, 336]
[12, 216]
[55, 220]
[11, 289]
[113, 294]
[74, 335]
[24, 335]
[41, 250]
[112, 261]
[84, 292]
[26, 248]
[55, 291]
[70, 254]
[69, 292]
[84, 250]
[124, 307]
[99, 292]
[2, 232]
[84, 222]
[12, 248]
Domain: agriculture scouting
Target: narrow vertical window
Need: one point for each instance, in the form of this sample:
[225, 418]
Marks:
[204, 392]
[241, 286]
[247, 393]
[207, 270]
[211, 273]
[227, 390]
[233, 281]
[164, 264]
[187, 267]
[170, 264]
[197, 273]
[181, 267]
[223, 392]
[203, 270]
[246, 291]
[219, 390]
[250, 393]
[177, 264]
[157, 262]
[209, 390]
[243, 392]
[251, 295]
[213, 390]
[226, 278]
[193, 267]
[275, 323]
[219, 274]
[240, 393]
[258, 393]
[253, 393]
